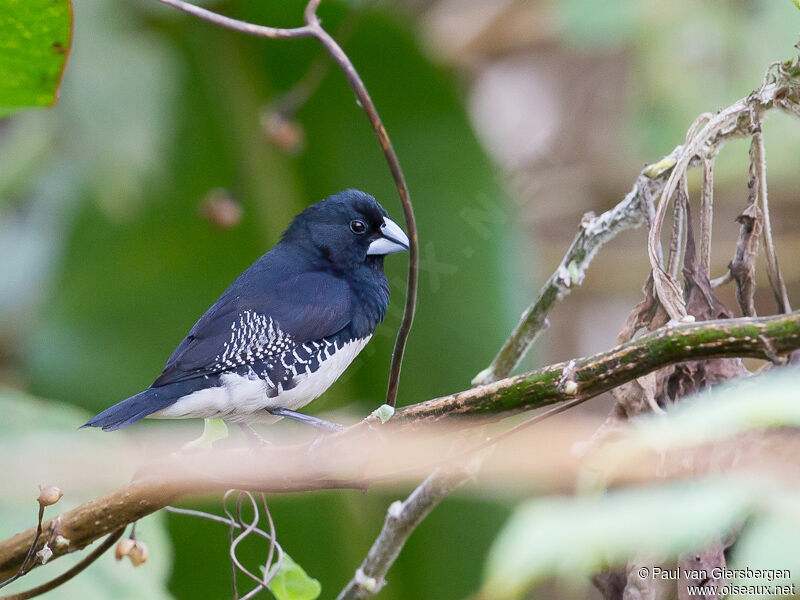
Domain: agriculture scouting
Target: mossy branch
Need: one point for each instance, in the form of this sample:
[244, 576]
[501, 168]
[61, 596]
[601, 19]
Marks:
[587, 377]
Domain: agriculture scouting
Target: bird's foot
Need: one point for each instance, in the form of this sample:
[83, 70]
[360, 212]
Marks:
[316, 422]
[253, 435]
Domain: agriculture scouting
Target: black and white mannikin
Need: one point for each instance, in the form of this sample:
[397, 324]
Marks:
[286, 328]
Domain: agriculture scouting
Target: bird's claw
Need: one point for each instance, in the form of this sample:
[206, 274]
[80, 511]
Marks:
[316, 422]
[254, 436]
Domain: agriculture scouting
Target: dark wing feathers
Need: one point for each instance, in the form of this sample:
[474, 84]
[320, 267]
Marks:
[312, 306]
[308, 307]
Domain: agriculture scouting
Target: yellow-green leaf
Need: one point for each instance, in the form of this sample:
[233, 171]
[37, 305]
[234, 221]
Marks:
[293, 583]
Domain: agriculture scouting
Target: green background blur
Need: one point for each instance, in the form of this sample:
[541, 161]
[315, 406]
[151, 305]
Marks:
[156, 111]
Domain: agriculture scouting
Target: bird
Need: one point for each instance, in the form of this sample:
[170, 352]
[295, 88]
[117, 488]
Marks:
[286, 328]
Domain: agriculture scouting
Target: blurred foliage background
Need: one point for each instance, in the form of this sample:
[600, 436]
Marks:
[511, 119]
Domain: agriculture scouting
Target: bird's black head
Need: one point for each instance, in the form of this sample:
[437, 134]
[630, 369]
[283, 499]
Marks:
[346, 230]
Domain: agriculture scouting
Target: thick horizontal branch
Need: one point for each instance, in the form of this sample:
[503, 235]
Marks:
[164, 482]
[593, 375]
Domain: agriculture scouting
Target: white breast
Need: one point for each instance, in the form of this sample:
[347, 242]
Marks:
[244, 398]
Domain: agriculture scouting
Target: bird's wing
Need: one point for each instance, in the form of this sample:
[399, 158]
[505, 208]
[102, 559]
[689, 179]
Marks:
[238, 328]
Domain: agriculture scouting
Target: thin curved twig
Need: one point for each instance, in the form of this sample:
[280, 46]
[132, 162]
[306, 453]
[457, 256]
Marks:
[22, 568]
[237, 522]
[273, 544]
[69, 574]
[273, 33]
[248, 528]
[773, 270]
[405, 198]
[706, 213]
[305, 87]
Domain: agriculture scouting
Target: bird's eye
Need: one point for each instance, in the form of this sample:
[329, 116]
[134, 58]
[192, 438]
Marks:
[358, 226]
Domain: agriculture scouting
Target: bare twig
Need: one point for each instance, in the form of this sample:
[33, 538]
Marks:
[248, 528]
[313, 28]
[743, 265]
[402, 189]
[237, 522]
[21, 571]
[593, 233]
[706, 213]
[773, 270]
[401, 520]
[290, 102]
[274, 33]
[269, 572]
[189, 512]
[69, 574]
[678, 240]
[43, 503]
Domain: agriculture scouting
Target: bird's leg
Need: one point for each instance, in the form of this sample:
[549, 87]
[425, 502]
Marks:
[253, 435]
[307, 419]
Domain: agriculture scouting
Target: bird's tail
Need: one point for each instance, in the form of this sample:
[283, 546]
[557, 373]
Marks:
[133, 409]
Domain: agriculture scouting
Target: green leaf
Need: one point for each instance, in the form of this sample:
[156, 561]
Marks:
[579, 536]
[293, 583]
[34, 43]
